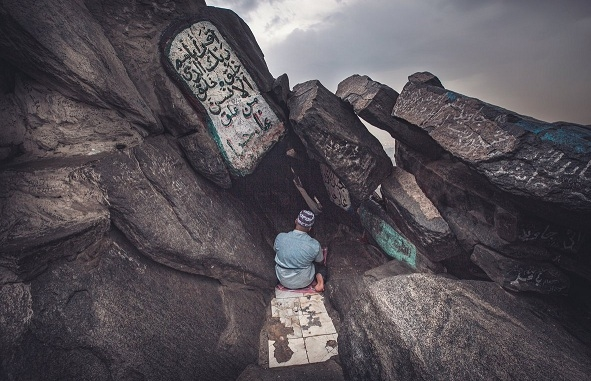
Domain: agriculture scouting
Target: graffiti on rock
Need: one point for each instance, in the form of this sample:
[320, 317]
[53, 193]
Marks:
[392, 242]
[240, 119]
[339, 195]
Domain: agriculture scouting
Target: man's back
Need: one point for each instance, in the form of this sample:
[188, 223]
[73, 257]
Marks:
[295, 253]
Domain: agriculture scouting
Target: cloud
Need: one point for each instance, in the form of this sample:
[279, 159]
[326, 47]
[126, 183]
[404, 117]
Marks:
[528, 56]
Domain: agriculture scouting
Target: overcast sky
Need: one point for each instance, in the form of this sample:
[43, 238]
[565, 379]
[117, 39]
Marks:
[530, 56]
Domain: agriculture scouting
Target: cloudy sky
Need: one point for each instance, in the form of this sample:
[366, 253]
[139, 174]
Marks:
[530, 56]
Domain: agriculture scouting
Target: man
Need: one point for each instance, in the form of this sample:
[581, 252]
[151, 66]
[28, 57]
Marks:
[296, 253]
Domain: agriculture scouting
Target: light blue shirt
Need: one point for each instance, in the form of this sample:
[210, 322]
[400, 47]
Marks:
[295, 253]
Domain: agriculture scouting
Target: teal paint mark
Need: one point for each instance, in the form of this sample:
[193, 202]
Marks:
[578, 141]
[393, 244]
[214, 134]
[451, 96]
[572, 137]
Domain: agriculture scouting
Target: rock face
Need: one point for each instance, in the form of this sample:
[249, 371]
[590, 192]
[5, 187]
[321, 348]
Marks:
[189, 231]
[421, 327]
[110, 313]
[519, 275]
[546, 162]
[333, 135]
[115, 261]
[147, 163]
[417, 217]
[79, 62]
[373, 102]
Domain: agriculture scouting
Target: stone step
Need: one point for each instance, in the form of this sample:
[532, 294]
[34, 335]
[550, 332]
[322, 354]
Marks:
[301, 330]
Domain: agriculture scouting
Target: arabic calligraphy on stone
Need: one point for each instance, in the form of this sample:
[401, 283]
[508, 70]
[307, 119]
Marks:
[339, 195]
[220, 82]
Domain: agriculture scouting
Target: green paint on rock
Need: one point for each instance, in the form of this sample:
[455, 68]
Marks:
[392, 242]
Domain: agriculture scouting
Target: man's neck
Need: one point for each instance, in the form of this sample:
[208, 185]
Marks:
[301, 229]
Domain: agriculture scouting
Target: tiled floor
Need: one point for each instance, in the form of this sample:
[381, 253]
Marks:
[301, 330]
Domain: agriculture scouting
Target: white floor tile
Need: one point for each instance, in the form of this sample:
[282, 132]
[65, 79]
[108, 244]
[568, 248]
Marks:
[281, 294]
[287, 327]
[312, 304]
[286, 353]
[316, 324]
[285, 307]
[321, 348]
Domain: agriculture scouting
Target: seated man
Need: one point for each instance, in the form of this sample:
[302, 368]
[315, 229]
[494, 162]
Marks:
[296, 253]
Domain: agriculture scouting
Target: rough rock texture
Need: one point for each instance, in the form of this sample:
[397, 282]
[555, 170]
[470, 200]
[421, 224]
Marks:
[79, 61]
[547, 162]
[373, 102]
[178, 219]
[326, 371]
[520, 275]
[417, 217]
[47, 213]
[57, 126]
[205, 158]
[392, 241]
[422, 327]
[349, 257]
[333, 135]
[479, 213]
[110, 313]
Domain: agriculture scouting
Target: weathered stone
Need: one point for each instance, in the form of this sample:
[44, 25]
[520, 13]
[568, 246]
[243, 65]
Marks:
[333, 135]
[417, 217]
[12, 127]
[57, 126]
[349, 257]
[206, 64]
[15, 314]
[78, 61]
[520, 275]
[388, 236]
[425, 78]
[327, 371]
[205, 158]
[132, 28]
[181, 220]
[547, 162]
[424, 327]
[282, 90]
[112, 314]
[47, 214]
[479, 213]
[373, 102]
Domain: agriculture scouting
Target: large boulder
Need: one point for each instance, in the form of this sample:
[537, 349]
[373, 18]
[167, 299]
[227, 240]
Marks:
[520, 275]
[417, 217]
[548, 163]
[373, 102]
[388, 236]
[79, 61]
[215, 61]
[479, 213]
[48, 214]
[111, 313]
[424, 327]
[334, 136]
[179, 219]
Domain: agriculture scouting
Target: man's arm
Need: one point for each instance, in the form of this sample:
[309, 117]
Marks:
[319, 256]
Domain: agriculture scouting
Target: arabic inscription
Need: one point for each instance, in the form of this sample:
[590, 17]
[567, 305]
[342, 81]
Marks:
[243, 123]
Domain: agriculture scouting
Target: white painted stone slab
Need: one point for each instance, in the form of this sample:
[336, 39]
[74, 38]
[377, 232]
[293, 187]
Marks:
[316, 324]
[299, 356]
[337, 191]
[321, 348]
[240, 119]
[285, 307]
[312, 304]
